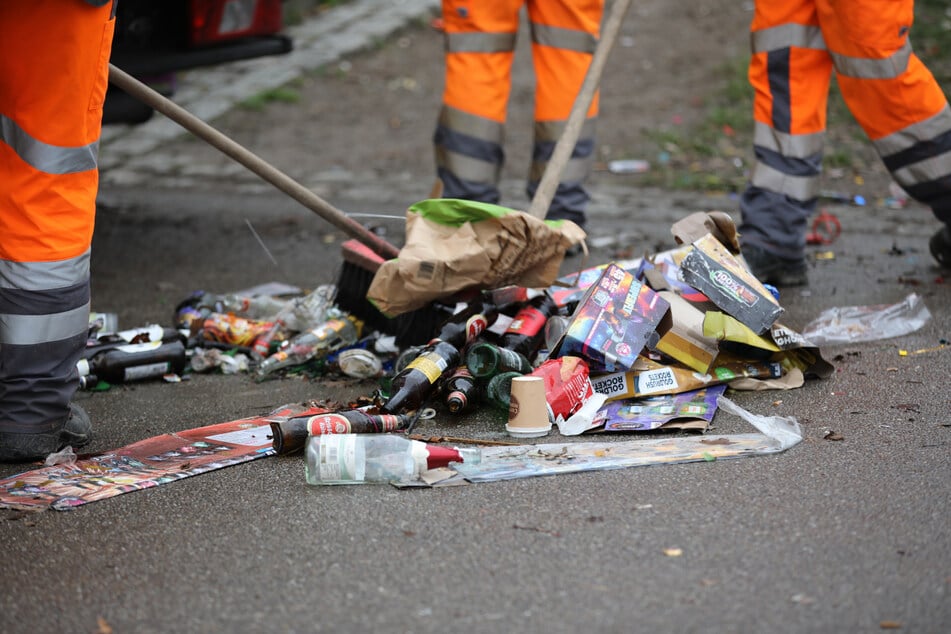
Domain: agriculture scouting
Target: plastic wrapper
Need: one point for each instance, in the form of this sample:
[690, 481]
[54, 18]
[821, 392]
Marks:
[852, 324]
[775, 434]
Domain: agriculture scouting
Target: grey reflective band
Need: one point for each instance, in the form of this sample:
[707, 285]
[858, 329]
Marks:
[466, 167]
[910, 136]
[785, 36]
[800, 188]
[551, 131]
[471, 125]
[480, 42]
[44, 276]
[792, 145]
[866, 68]
[567, 39]
[44, 157]
[575, 171]
[26, 330]
[926, 171]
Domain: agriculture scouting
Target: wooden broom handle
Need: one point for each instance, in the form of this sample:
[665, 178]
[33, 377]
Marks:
[566, 143]
[256, 164]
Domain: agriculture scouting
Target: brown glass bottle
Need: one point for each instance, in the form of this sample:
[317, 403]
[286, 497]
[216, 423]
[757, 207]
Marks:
[467, 324]
[290, 434]
[461, 390]
[416, 382]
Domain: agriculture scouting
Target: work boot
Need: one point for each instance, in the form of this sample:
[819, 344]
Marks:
[770, 268]
[76, 432]
[940, 245]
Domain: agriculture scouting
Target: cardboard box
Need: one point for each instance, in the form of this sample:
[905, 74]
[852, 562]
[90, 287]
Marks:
[712, 270]
[617, 317]
[649, 378]
[685, 341]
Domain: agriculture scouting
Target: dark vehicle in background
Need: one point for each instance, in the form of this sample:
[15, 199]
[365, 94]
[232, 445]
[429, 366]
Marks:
[155, 39]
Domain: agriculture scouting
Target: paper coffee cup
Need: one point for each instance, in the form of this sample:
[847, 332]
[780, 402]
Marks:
[529, 414]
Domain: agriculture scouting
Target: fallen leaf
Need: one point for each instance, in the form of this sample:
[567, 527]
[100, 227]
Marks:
[834, 435]
[890, 625]
[104, 627]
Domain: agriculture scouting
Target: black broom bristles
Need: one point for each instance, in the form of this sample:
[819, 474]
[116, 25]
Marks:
[360, 264]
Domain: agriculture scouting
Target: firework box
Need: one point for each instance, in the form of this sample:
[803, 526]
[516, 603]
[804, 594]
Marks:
[650, 378]
[685, 340]
[715, 272]
[617, 317]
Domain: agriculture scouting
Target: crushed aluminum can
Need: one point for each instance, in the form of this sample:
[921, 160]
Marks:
[360, 364]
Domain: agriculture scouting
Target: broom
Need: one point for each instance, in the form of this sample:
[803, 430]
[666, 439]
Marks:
[364, 252]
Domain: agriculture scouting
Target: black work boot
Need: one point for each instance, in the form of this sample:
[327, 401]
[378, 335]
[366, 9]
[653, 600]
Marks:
[770, 268]
[76, 432]
[940, 245]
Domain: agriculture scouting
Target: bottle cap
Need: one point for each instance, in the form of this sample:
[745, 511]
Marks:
[441, 456]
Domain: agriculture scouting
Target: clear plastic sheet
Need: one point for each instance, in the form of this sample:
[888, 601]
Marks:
[851, 324]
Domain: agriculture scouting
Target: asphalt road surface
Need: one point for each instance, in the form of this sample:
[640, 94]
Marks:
[846, 532]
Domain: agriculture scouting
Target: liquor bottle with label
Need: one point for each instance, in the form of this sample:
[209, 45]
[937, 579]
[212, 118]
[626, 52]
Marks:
[374, 458]
[518, 345]
[416, 382]
[526, 332]
[135, 362]
[290, 434]
[467, 324]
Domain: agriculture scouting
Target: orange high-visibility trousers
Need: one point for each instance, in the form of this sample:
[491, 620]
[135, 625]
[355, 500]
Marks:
[480, 48]
[796, 46]
[53, 76]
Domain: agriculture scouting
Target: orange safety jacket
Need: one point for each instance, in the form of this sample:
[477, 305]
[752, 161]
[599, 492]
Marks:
[796, 44]
[480, 40]
[53, 76]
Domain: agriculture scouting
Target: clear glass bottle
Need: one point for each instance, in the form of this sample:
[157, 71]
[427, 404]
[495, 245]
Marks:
[331, 335]
[369, 458]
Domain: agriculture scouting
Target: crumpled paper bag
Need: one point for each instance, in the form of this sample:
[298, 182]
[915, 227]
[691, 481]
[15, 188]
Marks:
[454, 244]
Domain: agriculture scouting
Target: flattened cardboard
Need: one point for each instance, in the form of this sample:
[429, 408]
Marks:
[691, 410]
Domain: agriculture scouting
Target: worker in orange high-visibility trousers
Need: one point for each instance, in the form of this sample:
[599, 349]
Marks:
[796, 46]
[54, 58]
[480, 40]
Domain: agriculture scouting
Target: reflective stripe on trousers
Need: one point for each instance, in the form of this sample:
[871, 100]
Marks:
[796, 45]
[50, 122]
[480, 46]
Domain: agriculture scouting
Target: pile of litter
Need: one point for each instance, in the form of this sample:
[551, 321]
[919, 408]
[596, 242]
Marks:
[650, 344]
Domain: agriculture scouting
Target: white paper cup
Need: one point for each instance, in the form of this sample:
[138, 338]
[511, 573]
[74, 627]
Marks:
[529, 414]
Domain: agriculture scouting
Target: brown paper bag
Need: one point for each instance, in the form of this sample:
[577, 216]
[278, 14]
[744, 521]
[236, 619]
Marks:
[453, 245]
